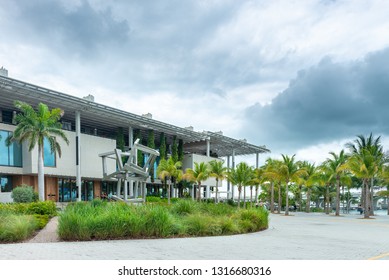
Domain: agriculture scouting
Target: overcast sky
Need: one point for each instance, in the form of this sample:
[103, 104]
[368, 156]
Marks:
[297, 76]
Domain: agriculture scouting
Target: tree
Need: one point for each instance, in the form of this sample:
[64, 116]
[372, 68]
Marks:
[34, 127]
[373, 146]
[336, 168]
[309, 181]
[198, 175]
[218, 171]
[175, 149]
[167, 171]
[272, 174]
[240, 176]
[162, 146]
[180, 150]
[290, 172]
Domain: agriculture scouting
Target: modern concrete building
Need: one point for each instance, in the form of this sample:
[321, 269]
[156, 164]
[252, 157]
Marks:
[92, 129]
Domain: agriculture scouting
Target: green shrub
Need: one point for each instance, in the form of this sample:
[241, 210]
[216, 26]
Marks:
[23, 194]
[158, 222]
[42, 208]
[184, 207]
[41, 220]
[16, 227]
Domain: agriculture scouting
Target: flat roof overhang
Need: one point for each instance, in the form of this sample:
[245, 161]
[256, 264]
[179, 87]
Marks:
[107, 119]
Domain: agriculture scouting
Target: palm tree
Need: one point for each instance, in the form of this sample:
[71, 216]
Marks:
[256, 181]
[373, 145]
[309, 182]
[167, 171]
[218, 171]
[336, 167]
[364, 166]
[271, 173]
[241, 177]
[385, 179]
[198, 175]
[34, 127]
[290, 172]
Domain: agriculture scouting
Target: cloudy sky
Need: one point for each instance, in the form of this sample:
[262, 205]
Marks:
[300, 77]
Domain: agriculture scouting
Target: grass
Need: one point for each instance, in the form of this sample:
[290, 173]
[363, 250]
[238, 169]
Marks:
[103, 220]
[15, 227]
[19, 221]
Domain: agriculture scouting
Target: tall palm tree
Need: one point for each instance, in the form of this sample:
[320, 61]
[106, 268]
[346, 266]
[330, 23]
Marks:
[271, 173]
[34, 127]
[309, 182]
[290, 172]
[373, 145]
[241, 177]
[336, 167]
[256, 181]
[198, 174]
[167, 171]
[364, 166]
[219, 172]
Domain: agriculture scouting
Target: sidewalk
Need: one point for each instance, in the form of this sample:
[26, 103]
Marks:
[47, 234]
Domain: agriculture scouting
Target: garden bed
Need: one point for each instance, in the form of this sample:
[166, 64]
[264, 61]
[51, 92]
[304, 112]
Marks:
[100, 220]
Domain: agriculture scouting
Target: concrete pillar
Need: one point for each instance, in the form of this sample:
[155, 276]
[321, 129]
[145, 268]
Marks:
[125, 190]
[78, 154]
[118, 188]
[233, 166]
[192, 191]
[207, 187]
[257, 160]
[228, 182]
[130, 145]
[136, 189]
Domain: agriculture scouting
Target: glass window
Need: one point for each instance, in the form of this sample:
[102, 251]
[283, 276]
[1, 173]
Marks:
[48, 156]
[6, 183]
[11, 155]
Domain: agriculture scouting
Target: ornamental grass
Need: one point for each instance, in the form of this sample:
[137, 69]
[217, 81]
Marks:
[99, 220]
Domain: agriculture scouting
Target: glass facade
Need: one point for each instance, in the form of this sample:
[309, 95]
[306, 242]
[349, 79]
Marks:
[6, 183]
[48, 156]
[11, 155]
[108, 188]
[68, 190]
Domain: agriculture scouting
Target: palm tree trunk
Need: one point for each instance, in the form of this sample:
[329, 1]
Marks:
[287, 198]
[168, 193]
[367, 204]
[301, 199]
[251, 196]
[337, 196]
[327, 203]
[272, 197]
[256, 194]
[372, 197]
[244, 197]
[308, 205]
[279, 199]
[41, 175]
[239, 191]
[199, 192]
[217, 185]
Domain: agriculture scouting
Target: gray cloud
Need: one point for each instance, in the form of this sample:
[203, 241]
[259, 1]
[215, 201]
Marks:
[325, 102]
[80, 32]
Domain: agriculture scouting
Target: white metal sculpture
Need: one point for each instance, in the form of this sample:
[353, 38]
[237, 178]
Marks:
[129, 171]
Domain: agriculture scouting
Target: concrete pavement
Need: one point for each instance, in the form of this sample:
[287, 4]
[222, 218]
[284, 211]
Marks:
[301, 236]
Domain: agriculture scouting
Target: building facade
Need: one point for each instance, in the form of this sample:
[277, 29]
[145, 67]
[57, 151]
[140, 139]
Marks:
[92, 129]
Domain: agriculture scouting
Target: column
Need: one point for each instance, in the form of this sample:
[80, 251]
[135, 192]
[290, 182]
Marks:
[130, 145]
[207, 187]
[78, 154]
[233, 166]
[257, 160]
[228, 182]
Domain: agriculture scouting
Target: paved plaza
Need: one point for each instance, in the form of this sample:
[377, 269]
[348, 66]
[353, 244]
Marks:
[301, 236]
